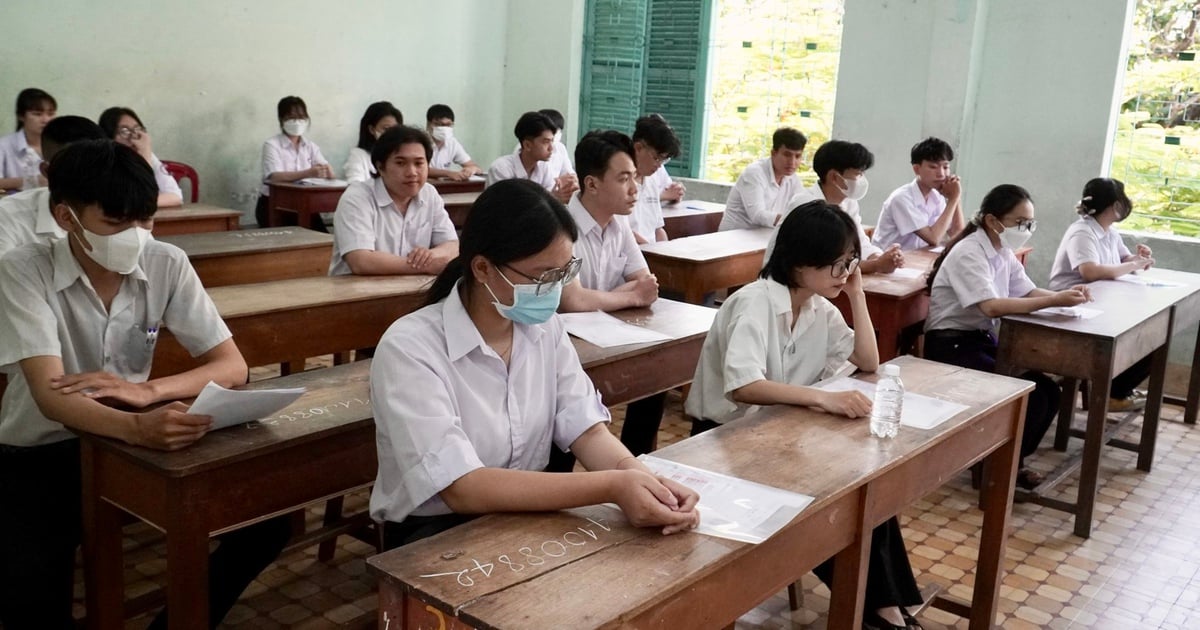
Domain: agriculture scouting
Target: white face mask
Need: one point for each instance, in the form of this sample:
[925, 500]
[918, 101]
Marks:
[115, 252]
[295, 126]
[558, 136]
[442, 134]
[855, 188]
[1013, 239]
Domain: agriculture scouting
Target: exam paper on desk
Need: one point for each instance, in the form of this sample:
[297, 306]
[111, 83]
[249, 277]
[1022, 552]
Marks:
[238, 406]
[920, 412]
[604, 330]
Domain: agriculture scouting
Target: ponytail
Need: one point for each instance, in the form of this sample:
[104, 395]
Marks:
[998, 202]
[445, 281]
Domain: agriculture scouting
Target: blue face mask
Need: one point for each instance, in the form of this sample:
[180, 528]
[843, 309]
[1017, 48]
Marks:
[528, 307]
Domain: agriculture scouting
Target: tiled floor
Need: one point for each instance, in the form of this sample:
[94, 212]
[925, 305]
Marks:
[1138, 570]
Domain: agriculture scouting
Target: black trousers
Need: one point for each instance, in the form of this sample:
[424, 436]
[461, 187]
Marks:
[415, 528]
[890, 579]
[976, 350]
[1124, 383]
[40, 530]
[638, 433]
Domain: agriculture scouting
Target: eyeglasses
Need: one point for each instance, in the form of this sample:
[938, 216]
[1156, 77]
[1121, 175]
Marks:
[1024, 225]
[127, 132]
[562, 275]
[662, 159]
[843, 267]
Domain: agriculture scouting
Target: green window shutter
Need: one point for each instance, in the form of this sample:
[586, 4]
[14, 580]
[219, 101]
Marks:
[614, 56]
[676, 73]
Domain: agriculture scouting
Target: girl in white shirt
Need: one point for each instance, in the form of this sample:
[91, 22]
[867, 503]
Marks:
[123, 125]
[471, 391]
[776, 337]
[21, 151]
[977, 280]
[289, 156]
[378, 118]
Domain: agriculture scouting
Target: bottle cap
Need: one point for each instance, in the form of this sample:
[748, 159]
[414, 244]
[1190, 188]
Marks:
[891, 369]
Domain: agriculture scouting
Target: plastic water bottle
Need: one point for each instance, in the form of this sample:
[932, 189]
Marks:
[889, 402]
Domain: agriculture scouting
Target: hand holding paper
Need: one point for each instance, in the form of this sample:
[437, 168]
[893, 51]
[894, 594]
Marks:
[229, 406]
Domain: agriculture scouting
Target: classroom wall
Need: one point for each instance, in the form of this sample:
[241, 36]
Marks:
[205, 77]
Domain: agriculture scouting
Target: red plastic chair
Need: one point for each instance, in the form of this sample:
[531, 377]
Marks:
[181, 171]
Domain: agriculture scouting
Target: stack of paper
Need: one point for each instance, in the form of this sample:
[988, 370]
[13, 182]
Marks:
[238, 406]
[1081, 312]
[606, 331]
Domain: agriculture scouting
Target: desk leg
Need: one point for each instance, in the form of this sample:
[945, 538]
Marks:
[850, 574]
[1193, 391]
[1066, 414]
[187, 572]
[997, 511]
[104, 575]
[692, 295]
[1154, 399]
[1093, 439]
[886, 341]
[274, 215]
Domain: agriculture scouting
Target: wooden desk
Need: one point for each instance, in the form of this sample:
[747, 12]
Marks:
[320, 447]
[1135, 322]
[193, 218]
[692, 217]
[289, 320]
[697, 265]
[449, 186]
[601, 573]
[1185, 313]
[458, 206]
[304, 201]
[258, 255]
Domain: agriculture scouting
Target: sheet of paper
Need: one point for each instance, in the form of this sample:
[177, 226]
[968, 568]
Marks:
[322, 181]
[909, 272]
[920, 412]
[1081, 312]
[937, 250]
[730, 507]
[1148, 281]
[229, 406]
[477, 178]
[606, 331]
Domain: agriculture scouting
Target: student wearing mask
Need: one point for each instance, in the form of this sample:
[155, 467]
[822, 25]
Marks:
[447, 150]
[21, 151]
[123, 125]
[928, 210]
[378, 118]
[761, 195]
[472, 391]
[535, 133]
[396, 223]
[78, 318]
[1091, 249]
[654, 144]
[977, 280]
[289, 156]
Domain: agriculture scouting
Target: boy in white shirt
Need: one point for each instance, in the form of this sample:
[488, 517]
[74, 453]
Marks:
[927, 211]
[447, 150]
[762, 192]
[654, 144]
[560, 159]
[535, 133]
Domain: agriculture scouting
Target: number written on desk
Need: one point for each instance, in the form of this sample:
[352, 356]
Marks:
[532, 555]
[261, 234]
[311, 412]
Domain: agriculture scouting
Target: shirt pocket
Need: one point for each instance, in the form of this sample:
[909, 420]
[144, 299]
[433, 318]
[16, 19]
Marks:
[137, 352]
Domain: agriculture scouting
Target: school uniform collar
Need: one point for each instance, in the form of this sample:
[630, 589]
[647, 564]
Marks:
[915, 192]
[583, 218]
[67, 270]
[989, 250]
[1094, 225]
[461, 334]
[780, 299]
[45, 223]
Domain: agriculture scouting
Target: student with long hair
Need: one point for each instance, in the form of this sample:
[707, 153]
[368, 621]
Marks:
[21, 151]
[378, 118]
[123, 125]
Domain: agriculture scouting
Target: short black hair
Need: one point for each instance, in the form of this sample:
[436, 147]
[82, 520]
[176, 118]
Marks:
[64, 130]
[437, 112]
[31, 99]
[375, 112]
[931, 150]
[788, 137]
[596, 149]
[532, 125]
[840, 155]
[654, 131]
[111, 116]
[289, 104]
[1100, 193]
[393, 139]
[555, 117]
[814, 234]
[106, 173]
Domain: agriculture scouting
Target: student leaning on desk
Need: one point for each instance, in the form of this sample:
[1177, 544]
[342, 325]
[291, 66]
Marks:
[471, 391]
[79, 317]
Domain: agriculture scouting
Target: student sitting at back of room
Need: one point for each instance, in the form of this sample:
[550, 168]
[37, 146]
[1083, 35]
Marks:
[535, 133]
[378, 118]
[927, 211]
[762, 192]
[560, 159]
[654, 144]
[841, 180]
[447, 150]
[25, 217]
[123, 125]
[79, 318]
[472, 391]
[289, 156]
[21, 151]
[776, 337]
[396, 223]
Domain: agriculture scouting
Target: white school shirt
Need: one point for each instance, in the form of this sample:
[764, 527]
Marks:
[755, 200]
[510, 167]
[972, 272]
[280, 156]
[752, 339]
[1085, 241]
[560, 160]
[48, 308]
[849, 206]
[17, 158]
[647, 214]
[358, 166]
[904, 212]
[25, 218]
[445, 404]
[609, 254]
[448, 154]
[166, 183]
[367, 218]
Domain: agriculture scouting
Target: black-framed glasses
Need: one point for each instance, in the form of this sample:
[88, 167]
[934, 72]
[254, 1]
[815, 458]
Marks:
[546, 281]
[127, 132]
[1024, 225]
[843, 267]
